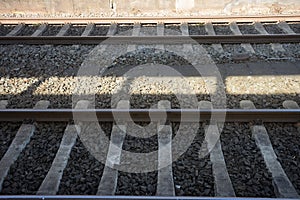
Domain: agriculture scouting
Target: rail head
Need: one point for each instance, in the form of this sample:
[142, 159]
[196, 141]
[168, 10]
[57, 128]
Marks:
[146, 115]
[85, 197]
[150, 40]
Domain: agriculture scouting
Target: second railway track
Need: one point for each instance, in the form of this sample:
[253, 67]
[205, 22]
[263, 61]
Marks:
[27, 33]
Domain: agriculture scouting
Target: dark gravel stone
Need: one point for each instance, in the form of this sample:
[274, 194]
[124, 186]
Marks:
[28, 30]
[172, 29]
[261, 101]
[222, 29]
[140, 184]
[130, 60]
[273, 29]
[295, 26]
[233, 48]
[52, 30]
[197, 29]
[285, 140]
[265, 51]
[140, 145]
[43, 61]
[148, 29]
[8, 132]
[124, 29]
[193, 175]
[5, 29]
[82, 174]
[292, 50]
[100, 29]
[247, 29]
[75, 30]
[28, 172]
[245, 164]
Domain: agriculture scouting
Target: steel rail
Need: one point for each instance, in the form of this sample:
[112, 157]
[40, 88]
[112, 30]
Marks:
[144, 40]
[175, 115]
[192, 19]
[90, 197]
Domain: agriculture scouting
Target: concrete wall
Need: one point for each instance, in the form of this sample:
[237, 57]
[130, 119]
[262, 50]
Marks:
[53, 7]
[150, 7]
[207, 7]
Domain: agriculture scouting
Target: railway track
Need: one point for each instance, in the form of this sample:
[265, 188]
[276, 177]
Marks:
[35, 36]
[165, 185]
[236, 152]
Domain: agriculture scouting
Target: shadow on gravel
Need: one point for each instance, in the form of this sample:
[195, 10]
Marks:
[243, 81]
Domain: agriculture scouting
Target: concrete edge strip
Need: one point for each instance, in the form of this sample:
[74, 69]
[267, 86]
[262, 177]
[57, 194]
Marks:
[51, 183]
[112, 29]
[160, 32]
[223, 184]
[88, 29]
[261, 29]
[135, 32]
[3, 104]
[16, 30]
[109, 179]
[210, 31]
[184, 27]
[63, 31]
[165, 182]
[20, 141]
[283, 186]
[236, 31]
[40, 30]
[290, 105]
[285, 27]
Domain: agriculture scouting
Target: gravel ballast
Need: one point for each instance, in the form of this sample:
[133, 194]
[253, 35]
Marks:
[295, 26]
[27, 67]
[172, 29]
[75, 30]
[197, 29]
[5, 29]
[8, 131]
[245, 164]
[52, 30]
[140, 184]
[273, 28]
[222, 29]
[193, 174]
[28, 30]
[27, 173]
[148, 29]
[82, 174]
[285, 140]
[247, 29]
[124, 29]
[100, 29]
[33, 73]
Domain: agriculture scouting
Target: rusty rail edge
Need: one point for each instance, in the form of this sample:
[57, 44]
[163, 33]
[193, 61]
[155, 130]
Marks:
[193, 19]
[174, 115]
[148, 40]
